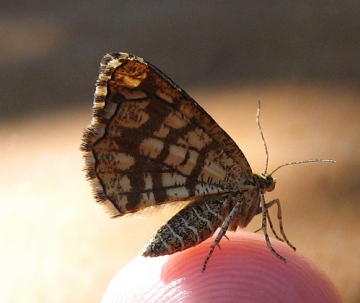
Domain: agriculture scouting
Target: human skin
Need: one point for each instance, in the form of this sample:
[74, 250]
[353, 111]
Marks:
[243, 270]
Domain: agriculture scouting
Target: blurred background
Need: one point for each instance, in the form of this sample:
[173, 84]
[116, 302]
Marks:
[301, 59]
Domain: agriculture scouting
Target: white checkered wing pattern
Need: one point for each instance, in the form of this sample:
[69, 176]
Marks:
[150, 143]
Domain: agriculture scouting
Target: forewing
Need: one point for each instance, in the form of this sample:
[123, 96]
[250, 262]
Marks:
[149, 143]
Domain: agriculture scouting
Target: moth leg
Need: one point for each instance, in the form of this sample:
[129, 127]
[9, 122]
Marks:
[264, 225]
[279, 216]
[222, 231]
[271, 227]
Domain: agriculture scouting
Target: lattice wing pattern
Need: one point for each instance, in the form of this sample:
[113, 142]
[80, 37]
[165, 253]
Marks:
[149, 143]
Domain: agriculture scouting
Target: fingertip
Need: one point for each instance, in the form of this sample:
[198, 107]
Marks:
[243, 269]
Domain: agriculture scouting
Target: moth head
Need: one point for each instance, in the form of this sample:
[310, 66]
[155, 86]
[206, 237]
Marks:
[268, 182]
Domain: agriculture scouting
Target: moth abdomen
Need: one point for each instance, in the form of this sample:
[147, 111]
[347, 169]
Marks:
[189, 227]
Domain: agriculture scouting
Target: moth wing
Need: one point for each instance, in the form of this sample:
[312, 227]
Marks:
[150, 143]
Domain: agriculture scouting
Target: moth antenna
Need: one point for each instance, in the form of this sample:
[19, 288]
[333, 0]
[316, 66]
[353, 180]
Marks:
[302, 162]
[262, 138]
[267, 152]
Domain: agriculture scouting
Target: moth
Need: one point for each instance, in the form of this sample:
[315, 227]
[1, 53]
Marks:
[149, 143]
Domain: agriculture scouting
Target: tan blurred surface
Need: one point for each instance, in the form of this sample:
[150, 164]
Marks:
[58, 245]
